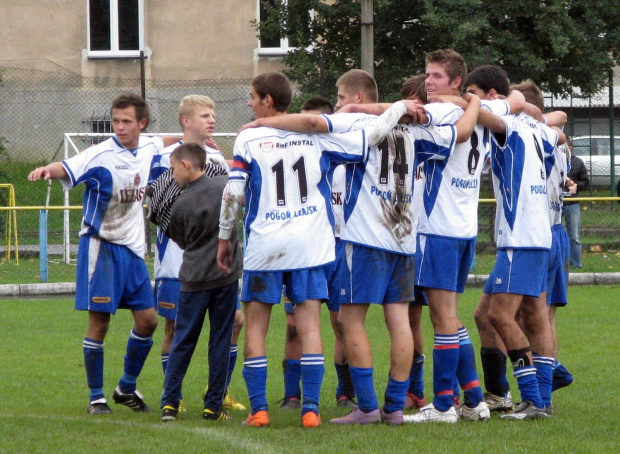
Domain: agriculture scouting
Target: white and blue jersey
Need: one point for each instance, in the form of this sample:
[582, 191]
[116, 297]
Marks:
[286, 178]
[556, 183]
[519, 162]
[452, 186]
[115, 180]
[378, 208]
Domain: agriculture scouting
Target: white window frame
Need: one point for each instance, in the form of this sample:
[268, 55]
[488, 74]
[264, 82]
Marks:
[272, 51]
[115, 52]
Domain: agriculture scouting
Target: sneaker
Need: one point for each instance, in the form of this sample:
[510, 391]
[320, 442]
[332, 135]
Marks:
[526, 410]
[549, 411]
[134, 401]
[258, 419]
[392, 419]
[210, 415]
[431, 414]
[98, 407]
[169, 413]
[561, 378]
[310, 420]
[231, 404]
[499, 403]
[478, 413]
[290, 403]
[413, 401]
[345, 402]
[357, 416]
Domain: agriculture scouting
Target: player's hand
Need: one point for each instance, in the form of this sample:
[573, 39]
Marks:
[252, 124]
[224, 255]
[211, 143]
[38, 173]
[569, 183]
[412, 106]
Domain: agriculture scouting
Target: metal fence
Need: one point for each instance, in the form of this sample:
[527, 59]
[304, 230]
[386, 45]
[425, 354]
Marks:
[38, 108]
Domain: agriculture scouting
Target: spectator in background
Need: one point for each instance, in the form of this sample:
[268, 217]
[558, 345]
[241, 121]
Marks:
[576, 182]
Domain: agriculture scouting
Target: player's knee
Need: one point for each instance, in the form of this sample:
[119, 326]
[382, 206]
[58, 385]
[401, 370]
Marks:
[239, 323]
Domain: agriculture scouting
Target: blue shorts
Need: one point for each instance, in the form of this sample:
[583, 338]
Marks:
[110, 277]
[336, 273]
[301, 285]
[377, 277]
[520, 272]
[167, 296]
[559, 264]
[443, 263]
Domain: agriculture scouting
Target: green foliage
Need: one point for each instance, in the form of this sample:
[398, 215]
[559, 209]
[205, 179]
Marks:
[559, 44]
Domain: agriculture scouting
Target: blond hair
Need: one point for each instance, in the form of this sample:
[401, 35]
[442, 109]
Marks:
[189, 103]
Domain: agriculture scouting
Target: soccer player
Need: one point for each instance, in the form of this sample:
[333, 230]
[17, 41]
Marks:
[291, 365]
[284, 177]
[380, 241]
[196, 115]
[115, 173]
[517, 283]
[194, 224]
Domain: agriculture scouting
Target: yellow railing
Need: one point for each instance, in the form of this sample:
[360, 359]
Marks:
[11, 222]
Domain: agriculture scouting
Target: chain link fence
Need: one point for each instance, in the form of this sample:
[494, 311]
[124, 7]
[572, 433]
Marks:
[38, 108]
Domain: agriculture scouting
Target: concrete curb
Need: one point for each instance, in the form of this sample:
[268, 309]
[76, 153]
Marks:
[474, 280]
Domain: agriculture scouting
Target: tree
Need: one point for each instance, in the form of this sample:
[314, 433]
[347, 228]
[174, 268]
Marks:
[560, 44]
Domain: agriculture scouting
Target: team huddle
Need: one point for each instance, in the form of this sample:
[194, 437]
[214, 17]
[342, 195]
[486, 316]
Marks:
[374, 204]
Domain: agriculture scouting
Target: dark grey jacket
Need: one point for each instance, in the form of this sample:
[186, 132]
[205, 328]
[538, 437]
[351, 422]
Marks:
[194, 226]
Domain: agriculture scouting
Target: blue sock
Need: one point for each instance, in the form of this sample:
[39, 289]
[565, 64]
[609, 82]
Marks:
[528, 384]
[164, 362]
[466, 370]
[312, 372]
[232, 361]
[138, 349]
[291, 369]
[93, 363]
[561, 376]
[255, 375]
[416, 376]
[345, 385]
[395, 395]
[445, 360]
[544, 374]
[364, 388]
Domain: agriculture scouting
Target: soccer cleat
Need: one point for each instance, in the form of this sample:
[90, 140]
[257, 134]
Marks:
[549, 411]
[478, 413]
[134, 401]
[526, 410]
[357, 416]
[310, 420]
[392, 419]
[182, 408]
[258, 419]
[169, 413]
[231, 404]
[98, 407]
[290, 403]
[345, 402]
[210, 415]
[499, 403]
[431, 414]
[413, 401]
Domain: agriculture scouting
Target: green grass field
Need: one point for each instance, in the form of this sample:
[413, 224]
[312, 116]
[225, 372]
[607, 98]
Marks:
[44, 396]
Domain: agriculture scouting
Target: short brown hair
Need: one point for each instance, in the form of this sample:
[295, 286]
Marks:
[415, 86]
[276, 85]
[532, 93]
[130, 99]
[359, 80]
[189, 103]
[191, 152]
[453, 62]
[319, 104]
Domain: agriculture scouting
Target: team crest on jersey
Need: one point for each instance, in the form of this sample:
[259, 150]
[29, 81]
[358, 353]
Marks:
[136, 180]
[266, 146]
[101, 299]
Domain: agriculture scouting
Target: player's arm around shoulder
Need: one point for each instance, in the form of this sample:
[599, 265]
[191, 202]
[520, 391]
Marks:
[304, 123]
[466, 124]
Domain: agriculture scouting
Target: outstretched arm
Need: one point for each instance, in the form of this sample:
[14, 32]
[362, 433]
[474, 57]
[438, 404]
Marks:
[378, 128]
[305, 123]
[54, 171]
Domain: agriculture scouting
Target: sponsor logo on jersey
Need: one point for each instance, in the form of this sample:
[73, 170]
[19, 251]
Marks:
[498, 281]
[538, 189]
[336, 198]
[132, 195]
[136, 180]
[101, 299]
[266, 146]
[464, 184]
[165, 305]
[295, 143]
[121, 167]
[284, 215]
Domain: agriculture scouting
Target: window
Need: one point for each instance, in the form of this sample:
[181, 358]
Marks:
[268, 44]
[115, 28]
